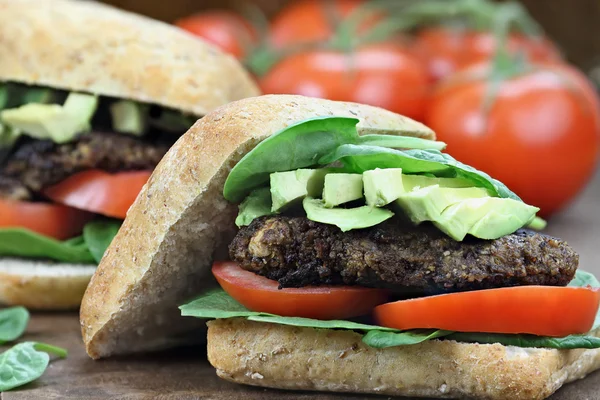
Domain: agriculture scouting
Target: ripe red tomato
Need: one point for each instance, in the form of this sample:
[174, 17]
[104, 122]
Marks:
[100, 192]
[52, 220]
[225, 29]
[258, 293]
[540, 137]
[312, 21]
[384, 75]
[446, 51]
[537, 310]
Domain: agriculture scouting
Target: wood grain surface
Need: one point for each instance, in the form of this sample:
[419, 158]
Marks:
[185, 373]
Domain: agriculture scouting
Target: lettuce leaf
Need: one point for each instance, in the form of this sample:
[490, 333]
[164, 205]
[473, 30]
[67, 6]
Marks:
[218, 304]
[86, 249]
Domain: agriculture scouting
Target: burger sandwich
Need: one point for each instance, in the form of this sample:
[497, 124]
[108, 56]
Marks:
[351, 254]
[91, 98]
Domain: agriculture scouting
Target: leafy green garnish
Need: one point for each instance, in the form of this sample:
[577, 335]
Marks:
[302, 145]
[568, 342]
[381, 339]
[400, 142]
[218, 304]
[297, 146]
[359, 159]
[13, 322]
[24, 363]
[98, 235]
[19, 242]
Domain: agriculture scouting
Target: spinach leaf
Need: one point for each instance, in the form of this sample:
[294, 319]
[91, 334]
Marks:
[297, 146]
[24, 363]
[381, 339]
[98, 235]
[216, 303]
[19, 242]
[317, 323]
[363, 158]
[568, 342]
[400, 142]
[13, 322]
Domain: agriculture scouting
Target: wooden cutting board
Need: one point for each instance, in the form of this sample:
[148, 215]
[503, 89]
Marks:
[185, 373]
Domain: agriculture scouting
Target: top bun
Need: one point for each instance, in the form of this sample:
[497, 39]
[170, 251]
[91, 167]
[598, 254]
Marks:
[180, 222]
[94, 48]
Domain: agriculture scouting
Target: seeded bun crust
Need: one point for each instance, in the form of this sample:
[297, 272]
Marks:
[180, 222]
[90, 47]
[286, 357]
[41, 285]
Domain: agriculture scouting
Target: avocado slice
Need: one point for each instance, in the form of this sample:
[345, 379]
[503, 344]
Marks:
[345, 218]
[412, 182]
[288, 188]
[428, 203]
[52, 121]
[342, 188]
[382, 186]
[129, 117]
[485, 218]
[257, 204]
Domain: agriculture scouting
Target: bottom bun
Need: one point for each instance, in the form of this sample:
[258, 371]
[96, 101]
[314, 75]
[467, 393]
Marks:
[40, 285]
[288, 357]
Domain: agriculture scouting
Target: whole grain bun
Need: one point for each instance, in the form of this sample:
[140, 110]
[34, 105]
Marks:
[287, 357]
[41, 285]
[180, 222]
[89, 47]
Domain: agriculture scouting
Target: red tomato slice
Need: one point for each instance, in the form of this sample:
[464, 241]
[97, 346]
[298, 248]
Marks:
[99, 191]
[537, 310]
[258, 293]
[52, 220]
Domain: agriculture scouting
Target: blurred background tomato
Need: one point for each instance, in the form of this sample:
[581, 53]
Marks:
[516, 100]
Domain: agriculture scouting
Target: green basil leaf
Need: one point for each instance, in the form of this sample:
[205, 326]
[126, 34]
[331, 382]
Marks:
[19, 242]
[381, 339]
[568, 342]
[98, 235]
[13, 322]
[364, 158]
[297, 146]
[24, 363]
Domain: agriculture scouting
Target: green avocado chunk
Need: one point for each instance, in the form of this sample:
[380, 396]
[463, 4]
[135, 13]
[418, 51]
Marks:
[52, 121]
[257, 204]
[413, 182]
[129, 117]
[382, 186]
[485, 218]
[428, 203]
[345, 218]
[290, 187]
[342, 188]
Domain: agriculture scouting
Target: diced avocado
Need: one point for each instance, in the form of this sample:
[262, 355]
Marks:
[52, 121]
[345, 218]
[287, 188]
[485, 218]
[382, 186]
[537, 224]
[412, 182]
[39, 95]
[342, 188]
[257, 204]
[129, 117]
[428, 203]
